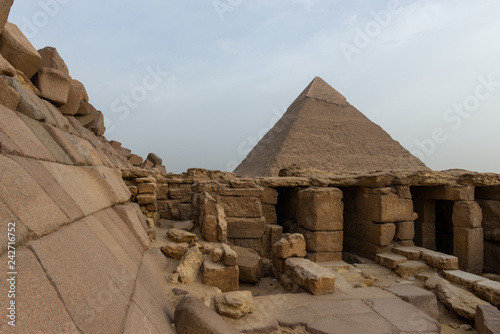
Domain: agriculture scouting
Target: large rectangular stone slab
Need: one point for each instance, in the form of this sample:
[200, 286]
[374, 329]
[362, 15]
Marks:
[94, 286]
[4, 10]
[467, 214]
[28, 200]
[310, 276]
[320, 209]
[138, 322]
[390, 260]
[422, 299]
[440, 260]
[384, 208]
[323, 241]
[379, 234]
[246, 228]
[463, 278]
[153, 310]
[39, 309]
[130, 216]
[468, 247]
[488, 290]
[487, 319]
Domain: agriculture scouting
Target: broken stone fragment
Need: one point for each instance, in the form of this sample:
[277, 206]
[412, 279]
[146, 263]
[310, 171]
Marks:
[155, 159]
[217, 255]
[293, 245]
[230, 256]
[181, 236]
[189, 267]
[223, 277]
[234, 304]
[250, 263]
[175, 250]
[459, 300]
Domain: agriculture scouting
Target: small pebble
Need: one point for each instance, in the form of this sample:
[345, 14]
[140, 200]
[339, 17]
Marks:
[179, 292]
[466, 328]
[454, 325]
[389, 276]
[411, 278]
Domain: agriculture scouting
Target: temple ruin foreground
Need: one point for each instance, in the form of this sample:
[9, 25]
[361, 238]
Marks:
[328, 226]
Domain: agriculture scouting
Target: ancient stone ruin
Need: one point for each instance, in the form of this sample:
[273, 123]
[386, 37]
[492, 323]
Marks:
[328, 226]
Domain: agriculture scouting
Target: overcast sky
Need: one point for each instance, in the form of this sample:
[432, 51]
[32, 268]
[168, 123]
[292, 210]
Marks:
[200, 81]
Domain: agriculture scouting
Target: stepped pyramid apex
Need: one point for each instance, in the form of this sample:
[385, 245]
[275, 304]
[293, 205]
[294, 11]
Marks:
[319, 89]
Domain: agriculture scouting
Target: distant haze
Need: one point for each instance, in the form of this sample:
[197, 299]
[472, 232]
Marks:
[200, 82]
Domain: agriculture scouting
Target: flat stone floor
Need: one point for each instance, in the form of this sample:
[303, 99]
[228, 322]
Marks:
[366, 310]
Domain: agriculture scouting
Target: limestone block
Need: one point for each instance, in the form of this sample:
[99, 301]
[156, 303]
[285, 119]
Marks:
[246, 228]
[272, 234]
[385, 208]
[18, 51]
[446, 193]
[462, 278]
[292, 245]
[185, 211]
[487, 319]
[269, 196]
[234, 304]
[230, 256]
[6, 68]
[269, 212]
[54, 85]
[440, 260]
[459, 300]
[144, 199]
[390, 260]
[320, 209]
[175, 250]
[178, 235]
[73, 102]
[468, 247]
[220, 276]
[364, 248]
[242, 207]
[146, 188]
[491, 219]
[324, 256]
[379, 234]
[4, 12]
[403, 192]
[323, 241]
[411, 269]
[488, 290]
[467, 214]
[241, 192]
[135, 160]
[250, 264]
[189, 267]
[310, 276]
[412, 253]
[405, 231]
[52, 59]
[8, 95]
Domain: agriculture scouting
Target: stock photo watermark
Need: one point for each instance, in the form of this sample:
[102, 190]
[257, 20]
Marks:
[127, 102]
[49, 9]
[223, 6]
[364, 36]
[454, 116]
[11, 274]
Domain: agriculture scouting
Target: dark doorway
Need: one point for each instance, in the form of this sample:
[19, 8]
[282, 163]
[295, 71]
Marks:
[444, 226]
[286, 208]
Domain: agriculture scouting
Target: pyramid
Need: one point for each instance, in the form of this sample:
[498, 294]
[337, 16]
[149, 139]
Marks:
[322, 131]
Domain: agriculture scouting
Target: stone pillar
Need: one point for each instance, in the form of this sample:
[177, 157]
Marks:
[425, 225]
[468, 236]
[320, 220]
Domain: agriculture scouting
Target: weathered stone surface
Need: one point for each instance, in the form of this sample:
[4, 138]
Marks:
[217, 255]
[175, 250]
[468, 247]
[230, 256]
[320, 209]
[364, 248]
[412, 253]
[440, 260]
[155, 159]
[73, 102]
[137, 321]
[226, 278]
[145, 199]
[4, 10]
[193, 317]
[146, 188]
[390, 260]
[487, 319]
[52, 59]
[324, 256]
[405, 231]
[323, 241]
[135, 160]
[425, 235]
[187, 225]
[245, 228]
[459, 300]
[424, 300]
[295, 317]
[269, 212]
[242, 207]
[132, 216]
[310, 276]
[379, 234]
[250, 264]
[446, 193]
[385, 208]
[272, 234]
[488, 290]
[9, 98]
[189, 267]
[269, 196]
[467, 214]
[411, 269]
[181, 236]
[234, 304]
[491, 219]
[367, 322]
[18, 51]
[54, 85]
[463, 278]
[292, 245]
[432, 282]
[405, 317]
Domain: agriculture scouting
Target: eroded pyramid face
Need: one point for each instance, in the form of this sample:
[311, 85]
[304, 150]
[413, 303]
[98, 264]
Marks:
[322, 131]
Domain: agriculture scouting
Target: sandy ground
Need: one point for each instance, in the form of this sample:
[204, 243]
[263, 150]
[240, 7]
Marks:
[347, 277]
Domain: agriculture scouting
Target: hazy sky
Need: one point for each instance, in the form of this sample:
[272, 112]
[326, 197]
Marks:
[199, 82]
